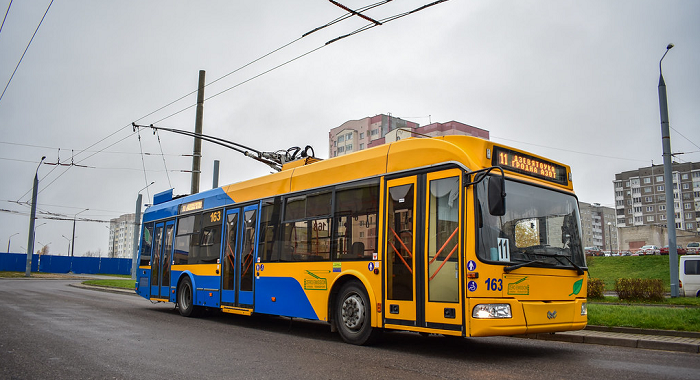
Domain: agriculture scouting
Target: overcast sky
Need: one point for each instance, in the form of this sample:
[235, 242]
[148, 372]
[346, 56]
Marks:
[569, 80]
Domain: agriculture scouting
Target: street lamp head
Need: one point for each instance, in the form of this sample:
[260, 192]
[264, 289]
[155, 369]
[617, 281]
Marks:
[669, 46]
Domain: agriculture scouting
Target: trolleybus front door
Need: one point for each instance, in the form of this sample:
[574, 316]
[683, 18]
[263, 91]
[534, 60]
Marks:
[422, 241]
[160, 260]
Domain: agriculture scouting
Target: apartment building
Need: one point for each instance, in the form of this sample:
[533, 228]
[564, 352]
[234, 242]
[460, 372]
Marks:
[640, 196]
[598, 226]
[121, 236]
[356, 135]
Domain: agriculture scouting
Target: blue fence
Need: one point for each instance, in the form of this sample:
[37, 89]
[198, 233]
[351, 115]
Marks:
[17, 262]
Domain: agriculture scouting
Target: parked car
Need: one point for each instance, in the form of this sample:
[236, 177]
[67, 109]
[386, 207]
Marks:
[648, 250]
[679, 249]
[593, 251]
[693, 248]
[689, 276]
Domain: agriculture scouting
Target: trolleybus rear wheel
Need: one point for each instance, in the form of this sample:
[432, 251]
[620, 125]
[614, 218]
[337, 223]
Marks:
[353, 315]
[185, 299]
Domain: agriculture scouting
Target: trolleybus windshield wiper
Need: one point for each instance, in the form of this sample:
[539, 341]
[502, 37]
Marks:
[523, 264]
[579, 270]
[511, 268]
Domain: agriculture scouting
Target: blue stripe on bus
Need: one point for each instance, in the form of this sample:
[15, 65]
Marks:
[290, 298]
[212, 198]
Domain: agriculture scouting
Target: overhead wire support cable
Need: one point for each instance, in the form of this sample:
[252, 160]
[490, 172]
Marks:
[6, 13]
[355, 13]
[386, 20]
[163, 156]
[25, 49]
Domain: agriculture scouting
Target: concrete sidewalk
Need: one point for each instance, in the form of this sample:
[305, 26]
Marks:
[665, 340]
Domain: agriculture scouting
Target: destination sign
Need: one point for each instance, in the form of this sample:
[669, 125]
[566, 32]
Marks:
[192, 206]
[529, 165]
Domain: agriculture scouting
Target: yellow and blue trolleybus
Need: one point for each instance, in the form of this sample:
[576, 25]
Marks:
[452, 235]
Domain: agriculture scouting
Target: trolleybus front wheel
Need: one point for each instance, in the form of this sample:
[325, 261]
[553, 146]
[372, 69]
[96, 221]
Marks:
[353, 315]
[185, 299]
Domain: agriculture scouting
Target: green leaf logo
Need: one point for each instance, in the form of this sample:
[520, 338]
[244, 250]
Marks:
[577, 287]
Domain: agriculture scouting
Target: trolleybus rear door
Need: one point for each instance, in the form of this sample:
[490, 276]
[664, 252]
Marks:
[160, 260]
[228, 258]
[400, 248]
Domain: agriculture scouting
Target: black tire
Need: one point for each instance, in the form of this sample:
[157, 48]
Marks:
[185, 299]
[353, 315]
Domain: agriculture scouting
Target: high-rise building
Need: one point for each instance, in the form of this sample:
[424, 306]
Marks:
[640, 196]
[598, 226]
[356, 135]
[121, 236]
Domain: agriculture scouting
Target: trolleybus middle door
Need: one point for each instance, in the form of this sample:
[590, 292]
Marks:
[400, 249]
[247, 256]
[228, 258]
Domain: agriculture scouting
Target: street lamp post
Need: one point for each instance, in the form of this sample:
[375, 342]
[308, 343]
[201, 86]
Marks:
[10, 239]
[32, 217]
[137, 231]
[610, 236]
[69, 244]
[73, 240]
[668, 180]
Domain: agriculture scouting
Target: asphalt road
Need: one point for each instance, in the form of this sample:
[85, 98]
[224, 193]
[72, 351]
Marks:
[53, 331]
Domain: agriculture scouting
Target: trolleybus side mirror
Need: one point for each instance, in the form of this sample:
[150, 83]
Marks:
[497, 196]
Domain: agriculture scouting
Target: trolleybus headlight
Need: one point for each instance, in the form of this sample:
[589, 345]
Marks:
[492, 310]
[584, 308]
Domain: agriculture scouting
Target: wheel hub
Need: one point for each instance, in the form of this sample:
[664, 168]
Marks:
[353, 312]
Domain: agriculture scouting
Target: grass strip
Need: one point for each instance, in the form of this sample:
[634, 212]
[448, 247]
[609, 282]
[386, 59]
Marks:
[659, 318]
[116, 283]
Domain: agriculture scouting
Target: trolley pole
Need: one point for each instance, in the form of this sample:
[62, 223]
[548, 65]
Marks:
[668, 181]
[197, 151]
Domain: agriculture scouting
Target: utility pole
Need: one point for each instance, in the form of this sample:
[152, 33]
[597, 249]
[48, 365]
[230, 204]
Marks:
[215, 179]
[197, 151]
[137, 230]
[668, 181]
[32, 217]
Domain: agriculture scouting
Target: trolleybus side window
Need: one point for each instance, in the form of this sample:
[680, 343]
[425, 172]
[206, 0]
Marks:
[306, 231]
[356, 218]
[268, 247]
[210, 239]
[146, 244]
[185, 226]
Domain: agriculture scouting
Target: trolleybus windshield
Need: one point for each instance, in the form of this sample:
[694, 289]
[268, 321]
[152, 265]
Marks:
[540, 228]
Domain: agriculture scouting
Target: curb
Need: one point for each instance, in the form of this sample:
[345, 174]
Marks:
[623, 339]
[634, 330]
[104, 289]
